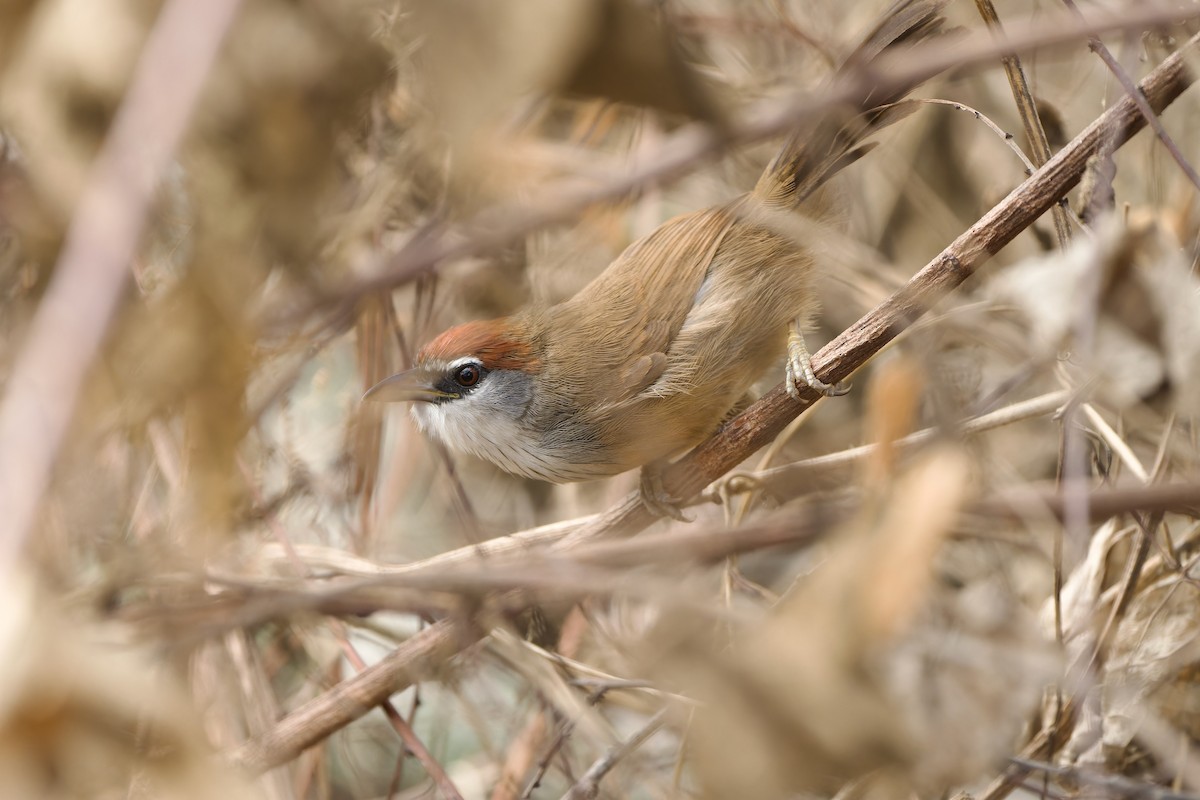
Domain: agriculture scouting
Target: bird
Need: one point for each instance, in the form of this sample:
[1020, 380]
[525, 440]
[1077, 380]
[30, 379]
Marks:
[649, 358]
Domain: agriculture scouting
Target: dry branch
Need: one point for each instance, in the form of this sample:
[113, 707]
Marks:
[1166, 497]
[761, 422]
[588, 786]
[596, 568]
[352, 698]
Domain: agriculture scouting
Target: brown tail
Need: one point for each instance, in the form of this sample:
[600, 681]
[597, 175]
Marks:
[813, 155]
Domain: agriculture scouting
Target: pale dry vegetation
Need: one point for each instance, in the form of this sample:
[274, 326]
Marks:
[221, 222]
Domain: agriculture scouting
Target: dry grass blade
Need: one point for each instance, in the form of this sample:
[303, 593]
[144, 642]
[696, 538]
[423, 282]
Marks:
[1030, 119]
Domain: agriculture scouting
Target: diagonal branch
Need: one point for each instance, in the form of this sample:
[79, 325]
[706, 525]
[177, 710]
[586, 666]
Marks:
[739, 438]
[354, 697]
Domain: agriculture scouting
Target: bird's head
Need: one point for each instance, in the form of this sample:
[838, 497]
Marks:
[474, 380]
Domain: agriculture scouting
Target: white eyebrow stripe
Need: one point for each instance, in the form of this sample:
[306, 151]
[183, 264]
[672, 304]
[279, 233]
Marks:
[459, 362]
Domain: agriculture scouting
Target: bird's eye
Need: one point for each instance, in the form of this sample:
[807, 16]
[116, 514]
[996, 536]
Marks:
[468, 375]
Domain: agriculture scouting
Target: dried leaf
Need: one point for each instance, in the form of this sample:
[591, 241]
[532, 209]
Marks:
[1147, 326]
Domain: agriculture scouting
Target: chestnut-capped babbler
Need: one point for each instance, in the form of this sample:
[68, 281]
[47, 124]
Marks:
[647, 359]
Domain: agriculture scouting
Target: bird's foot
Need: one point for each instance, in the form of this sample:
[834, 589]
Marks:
[799, 370]
[655, 495]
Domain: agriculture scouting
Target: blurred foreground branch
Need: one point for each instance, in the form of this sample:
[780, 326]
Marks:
[72, 319]
[327, 713]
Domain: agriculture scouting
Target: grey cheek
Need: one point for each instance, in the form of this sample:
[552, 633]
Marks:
[513, 395]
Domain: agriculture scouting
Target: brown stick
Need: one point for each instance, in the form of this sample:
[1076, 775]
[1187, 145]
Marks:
[589, 785]
[761, 422]
[524, 752]
[1181, 498]
[352, 698]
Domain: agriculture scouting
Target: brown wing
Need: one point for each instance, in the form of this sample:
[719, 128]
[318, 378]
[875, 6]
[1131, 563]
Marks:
[623, 322]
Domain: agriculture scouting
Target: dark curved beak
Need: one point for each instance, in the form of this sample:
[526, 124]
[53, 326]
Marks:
[414, 385]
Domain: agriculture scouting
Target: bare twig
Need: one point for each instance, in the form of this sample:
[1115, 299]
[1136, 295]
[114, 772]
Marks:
[352, 698]
[402, 727]
[1041, 748]
[357, 695]
[1102, 504]
[776, 478]
[521, 753]
[1005, 136]
[407, 735]
[701, 544]
[588, 786]
[71, 320]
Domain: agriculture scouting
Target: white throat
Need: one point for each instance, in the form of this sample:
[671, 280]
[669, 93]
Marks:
[492, 422]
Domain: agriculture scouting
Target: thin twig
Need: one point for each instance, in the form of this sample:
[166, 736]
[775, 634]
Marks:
[403, 729]
[697, 543]
[357, 695]
[407, 735]
[589, 785]
[1101, 504]
[352, 698]
[776, 477]
[520, 757]
[1115, 785]
[1004, 135]
[1040, 749]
